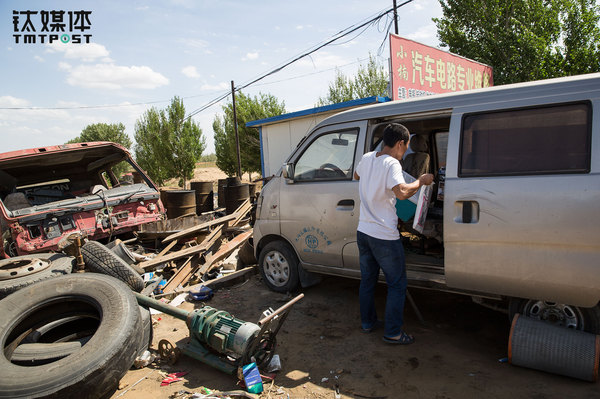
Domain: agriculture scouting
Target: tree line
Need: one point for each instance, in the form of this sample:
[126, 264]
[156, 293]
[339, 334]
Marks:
[522, 40]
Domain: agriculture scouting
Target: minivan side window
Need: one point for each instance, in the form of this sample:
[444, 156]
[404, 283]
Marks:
[329, 157]
[553, 139]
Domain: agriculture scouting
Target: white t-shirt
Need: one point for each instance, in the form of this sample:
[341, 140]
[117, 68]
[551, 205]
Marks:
[378, 174]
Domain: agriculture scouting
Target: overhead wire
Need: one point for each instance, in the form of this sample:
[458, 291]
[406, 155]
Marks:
[365, 23]
[313, 49]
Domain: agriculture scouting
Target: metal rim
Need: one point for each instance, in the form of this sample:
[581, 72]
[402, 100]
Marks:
[276, 268]
[21, 267]
[556, 313]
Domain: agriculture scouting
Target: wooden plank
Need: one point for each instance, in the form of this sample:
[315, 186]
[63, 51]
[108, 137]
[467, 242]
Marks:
[224, 251]
[166, 249]
[195, 229]
[185, 271]
[241, 212]
[182, 273]
[207, 243]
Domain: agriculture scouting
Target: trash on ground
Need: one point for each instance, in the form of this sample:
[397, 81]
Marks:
[173, 377]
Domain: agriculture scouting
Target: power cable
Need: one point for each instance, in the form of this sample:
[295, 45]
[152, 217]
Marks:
[334, 38]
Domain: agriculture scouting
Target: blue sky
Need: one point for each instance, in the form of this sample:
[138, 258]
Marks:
[142, 53]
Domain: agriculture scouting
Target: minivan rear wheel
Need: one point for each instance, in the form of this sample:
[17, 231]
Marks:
[560, 314]
[278, 266]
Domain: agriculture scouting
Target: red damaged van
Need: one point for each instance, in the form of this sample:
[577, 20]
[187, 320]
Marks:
[51, 192]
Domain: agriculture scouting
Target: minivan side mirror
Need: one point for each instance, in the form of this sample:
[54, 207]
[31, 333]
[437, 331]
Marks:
[288, 171]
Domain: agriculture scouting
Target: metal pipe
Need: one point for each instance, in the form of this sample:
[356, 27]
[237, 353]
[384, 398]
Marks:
[163, 307]
[281, 309]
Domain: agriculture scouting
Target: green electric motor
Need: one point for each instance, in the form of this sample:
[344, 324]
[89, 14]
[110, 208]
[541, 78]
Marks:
[223, 341]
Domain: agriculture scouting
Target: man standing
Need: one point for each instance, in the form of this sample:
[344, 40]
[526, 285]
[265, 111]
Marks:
[379, 243]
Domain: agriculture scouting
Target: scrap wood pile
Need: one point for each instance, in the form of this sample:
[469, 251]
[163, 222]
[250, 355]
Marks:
[191, 255]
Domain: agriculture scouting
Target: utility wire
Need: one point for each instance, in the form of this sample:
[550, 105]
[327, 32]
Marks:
[343, 33]
[335, 37]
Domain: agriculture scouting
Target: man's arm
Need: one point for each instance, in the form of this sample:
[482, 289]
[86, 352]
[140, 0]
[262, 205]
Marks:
[407, 190]
[356, 176]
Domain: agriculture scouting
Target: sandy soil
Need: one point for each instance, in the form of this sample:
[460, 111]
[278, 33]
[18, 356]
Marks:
[210, 174]
[456, 353]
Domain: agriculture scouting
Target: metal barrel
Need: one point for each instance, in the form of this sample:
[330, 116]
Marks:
[221, 183]
[179, 202]
[204, 196]
[137, 177]
[233, 181]
[251, 190]
[234, 197]
[543, 346]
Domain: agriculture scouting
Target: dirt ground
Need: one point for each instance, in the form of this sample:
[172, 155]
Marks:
[210, 174]
[455, 355]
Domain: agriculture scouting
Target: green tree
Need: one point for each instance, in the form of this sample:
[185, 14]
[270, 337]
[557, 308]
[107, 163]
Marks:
[167, 144]
[370, 80]
[113, 132]
[524, 40]
[247, 109]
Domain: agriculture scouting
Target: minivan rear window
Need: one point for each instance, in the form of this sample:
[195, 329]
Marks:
[542, 140]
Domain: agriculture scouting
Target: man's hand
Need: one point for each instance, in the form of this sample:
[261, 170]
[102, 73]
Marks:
[426, 179]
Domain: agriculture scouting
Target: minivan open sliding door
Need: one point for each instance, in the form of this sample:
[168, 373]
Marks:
[517, 198]
[320, 205]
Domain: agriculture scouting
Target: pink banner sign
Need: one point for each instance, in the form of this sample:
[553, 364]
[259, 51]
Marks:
[420, 70]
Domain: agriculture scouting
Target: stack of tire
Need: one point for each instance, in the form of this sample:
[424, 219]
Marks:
[69, 335]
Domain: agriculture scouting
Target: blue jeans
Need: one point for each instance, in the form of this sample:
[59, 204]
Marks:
[387, 255]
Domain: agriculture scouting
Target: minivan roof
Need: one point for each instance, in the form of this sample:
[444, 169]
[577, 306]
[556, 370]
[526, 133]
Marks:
[564, 85]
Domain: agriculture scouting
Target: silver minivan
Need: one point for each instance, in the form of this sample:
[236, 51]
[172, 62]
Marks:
[514, 217]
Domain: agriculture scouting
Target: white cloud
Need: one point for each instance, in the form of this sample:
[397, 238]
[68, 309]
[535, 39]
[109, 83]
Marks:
[218, 86]
[322, 60]
[64, 66]
[113, 77]
[190, 71]
[10, 101]
[195, 43]
[251, 56]
[425, 34]
[38, 58]
[84, 52]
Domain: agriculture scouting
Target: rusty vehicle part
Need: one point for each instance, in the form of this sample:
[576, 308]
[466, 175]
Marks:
[106, 312]
[222, 341]
[79, 256]
[100, 259]
[21, 271]
[49, 193]
[168, 352]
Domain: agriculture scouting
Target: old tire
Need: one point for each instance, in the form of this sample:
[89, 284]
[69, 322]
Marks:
[91, 372]
[568, 316]
[48, 344]
[100, 259]
[278, 266]
[20, 271]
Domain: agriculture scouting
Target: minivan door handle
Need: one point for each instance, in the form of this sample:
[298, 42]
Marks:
[345, 205]
[466, 212]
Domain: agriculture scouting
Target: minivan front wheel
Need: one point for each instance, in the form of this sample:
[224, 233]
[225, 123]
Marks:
[560, 314]
[279, 266]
